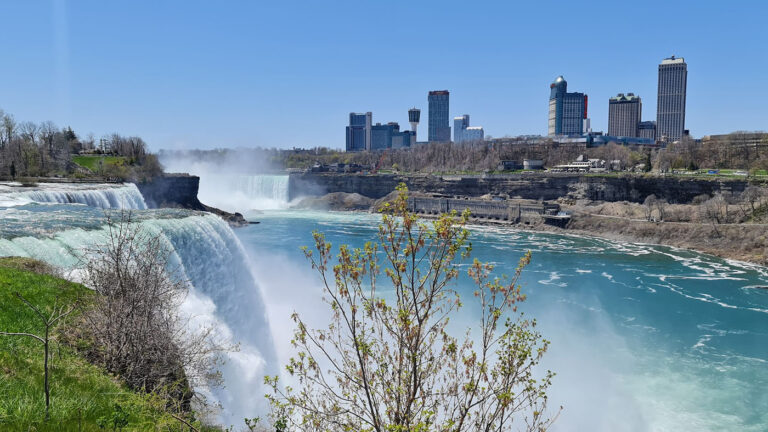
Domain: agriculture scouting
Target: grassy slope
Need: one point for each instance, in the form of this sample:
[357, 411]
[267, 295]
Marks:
[81, 393]
[92, 162]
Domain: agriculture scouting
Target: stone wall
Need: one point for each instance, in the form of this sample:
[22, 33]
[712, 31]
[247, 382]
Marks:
[633, 188]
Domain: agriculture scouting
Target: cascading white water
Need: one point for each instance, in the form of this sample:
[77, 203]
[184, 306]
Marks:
[105, 196]
[244, 192]
[222, 293]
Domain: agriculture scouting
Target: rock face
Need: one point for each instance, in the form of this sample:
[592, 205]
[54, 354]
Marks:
[172, 190]
[336, 201]
[180, 191]
[630, 188]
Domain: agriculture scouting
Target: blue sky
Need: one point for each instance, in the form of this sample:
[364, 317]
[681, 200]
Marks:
[205, 74]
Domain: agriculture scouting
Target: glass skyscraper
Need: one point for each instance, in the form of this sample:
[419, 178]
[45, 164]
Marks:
[567, 111]
[359, 131]
[670, 111]
[439, 122]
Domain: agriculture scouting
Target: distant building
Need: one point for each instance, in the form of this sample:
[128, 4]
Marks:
[459, 124]
[463, 132]
[533, 164]
[670, 111]
[414, 115]
[439, 126]
[381, 135]
[624, 114]
[359, 131]
[647, 129]
[403, 139]
[738, 140]
[567, 111]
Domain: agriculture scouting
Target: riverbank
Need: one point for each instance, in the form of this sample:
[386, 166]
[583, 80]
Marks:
[83, 396]
[747, 242]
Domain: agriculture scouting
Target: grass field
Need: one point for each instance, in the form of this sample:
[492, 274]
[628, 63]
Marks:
[92, 162]
[82, 395]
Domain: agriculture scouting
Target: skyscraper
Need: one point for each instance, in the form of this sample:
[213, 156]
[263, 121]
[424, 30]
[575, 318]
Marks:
[624, 114]
[359, 131]
[567, 111]
[439, 123]
[670, 111]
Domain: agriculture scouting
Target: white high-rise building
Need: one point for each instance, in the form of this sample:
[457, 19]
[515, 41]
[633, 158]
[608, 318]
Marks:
[463, 132]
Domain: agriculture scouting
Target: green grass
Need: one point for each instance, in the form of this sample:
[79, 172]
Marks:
[92, 162]
[81, 393]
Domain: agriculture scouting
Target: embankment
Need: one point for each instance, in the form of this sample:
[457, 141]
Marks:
[533, 186]
[744, 242]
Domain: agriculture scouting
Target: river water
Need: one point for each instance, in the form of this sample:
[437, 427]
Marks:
[644, 338]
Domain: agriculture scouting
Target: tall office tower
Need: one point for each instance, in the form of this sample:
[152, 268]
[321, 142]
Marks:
[670, 111]
[624, 114]
[647, 129]
[359, 131]
[460, 124]
[439, 126]
[567, 111]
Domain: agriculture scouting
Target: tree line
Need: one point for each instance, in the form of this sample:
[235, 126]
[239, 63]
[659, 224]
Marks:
[728, 151]
[29, 149]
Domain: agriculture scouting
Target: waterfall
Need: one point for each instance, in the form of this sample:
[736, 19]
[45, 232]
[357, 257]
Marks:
[222, 293]
[244, 192]
[105, 196]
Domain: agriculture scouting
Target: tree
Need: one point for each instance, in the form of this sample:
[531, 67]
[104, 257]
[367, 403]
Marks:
[661, 205]
[753, 195]
[387, 361]
[648, 206]
[49, 321]
[134, 326]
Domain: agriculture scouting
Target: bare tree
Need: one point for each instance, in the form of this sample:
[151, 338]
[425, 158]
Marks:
[49, 321]
[135, 324]
[661, 205]
[648, 205]
[388, 362]
[753, 195]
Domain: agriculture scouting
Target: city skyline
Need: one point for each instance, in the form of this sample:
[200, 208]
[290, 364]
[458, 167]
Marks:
[246, 84]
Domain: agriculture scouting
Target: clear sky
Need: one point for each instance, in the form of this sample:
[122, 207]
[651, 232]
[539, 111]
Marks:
[205, 74]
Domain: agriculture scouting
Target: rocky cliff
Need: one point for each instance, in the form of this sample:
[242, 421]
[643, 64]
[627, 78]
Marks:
[632, 188]
[180, 191]
[172, 190]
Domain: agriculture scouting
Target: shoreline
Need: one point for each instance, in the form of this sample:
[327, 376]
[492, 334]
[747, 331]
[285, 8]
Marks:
[743, 257]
